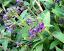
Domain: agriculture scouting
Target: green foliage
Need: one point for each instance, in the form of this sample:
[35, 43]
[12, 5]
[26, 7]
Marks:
[21, 28]
[5, 44]
[54, 44]
[59, 36]
[58, 49]
[58, 11]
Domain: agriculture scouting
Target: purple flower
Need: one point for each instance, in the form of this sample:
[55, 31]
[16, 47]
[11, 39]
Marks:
[33, 32]
[9, 29]
[41, 26]
[29, 21]
[5, 17]
[39, 29]
[17, 0]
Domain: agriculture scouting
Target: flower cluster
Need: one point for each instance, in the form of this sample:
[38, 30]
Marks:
[33, 32]
[10, 27]
[10, 14]
[15, 9]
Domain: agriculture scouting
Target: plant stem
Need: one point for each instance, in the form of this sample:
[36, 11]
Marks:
[38, 3]
[31, 12]
[3, 8]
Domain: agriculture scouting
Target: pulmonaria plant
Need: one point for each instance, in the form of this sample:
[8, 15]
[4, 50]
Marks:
[33, 32]
[24, 27]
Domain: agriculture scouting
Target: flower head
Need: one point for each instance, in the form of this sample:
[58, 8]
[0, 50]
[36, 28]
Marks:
[17, 0]
[5, 17]
[41, 25]
[9, 29]
[29, 21]
[33, 32]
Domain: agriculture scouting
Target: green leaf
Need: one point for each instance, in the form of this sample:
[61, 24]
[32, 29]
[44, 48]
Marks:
[1, 40]
[0, 49]
[23, 14]
[23, 48]
[5, 33]
[26, 3]
[56, 27]
[5, 3]
[1, 10]
[40, 35]
[14, 49]
[19, 35]
[47, 3]
[46, 18]
[59, 35]
[58, 11]
[54, 43]
[50, 1]
[5, 44]
[25, 31]
[58, 49]
[32, 2]
[1, 1]
[39, 47]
